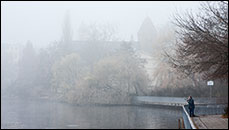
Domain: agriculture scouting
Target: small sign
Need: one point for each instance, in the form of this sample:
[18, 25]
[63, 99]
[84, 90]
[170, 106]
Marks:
[210, 83]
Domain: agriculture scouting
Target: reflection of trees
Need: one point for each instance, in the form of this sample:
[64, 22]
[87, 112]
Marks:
[40, 114]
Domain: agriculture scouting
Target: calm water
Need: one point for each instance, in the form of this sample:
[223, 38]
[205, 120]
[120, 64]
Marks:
[40, 114]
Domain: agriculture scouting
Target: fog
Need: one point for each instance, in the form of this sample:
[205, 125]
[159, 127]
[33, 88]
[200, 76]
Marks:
[41, 22]
[90, 59]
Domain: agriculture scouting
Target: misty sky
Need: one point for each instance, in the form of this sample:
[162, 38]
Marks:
[41, 22]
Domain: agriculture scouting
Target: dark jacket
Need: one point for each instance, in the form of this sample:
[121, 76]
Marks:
[191, 104]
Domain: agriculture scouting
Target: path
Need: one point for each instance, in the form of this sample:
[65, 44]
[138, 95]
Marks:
[211, 122]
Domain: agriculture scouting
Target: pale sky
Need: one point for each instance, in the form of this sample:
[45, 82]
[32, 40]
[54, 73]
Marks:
[41, 22]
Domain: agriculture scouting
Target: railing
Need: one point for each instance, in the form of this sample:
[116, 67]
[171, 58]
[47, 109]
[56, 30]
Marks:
[210, 109]
[170, 101]
[188, 123]
[175, 101]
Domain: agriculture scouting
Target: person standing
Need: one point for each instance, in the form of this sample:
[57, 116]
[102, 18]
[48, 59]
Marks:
[191, 106]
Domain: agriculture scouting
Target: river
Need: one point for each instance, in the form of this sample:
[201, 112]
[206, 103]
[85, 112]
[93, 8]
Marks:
[47, 115]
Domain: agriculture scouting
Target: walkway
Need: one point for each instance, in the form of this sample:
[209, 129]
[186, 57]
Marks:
[210, 122]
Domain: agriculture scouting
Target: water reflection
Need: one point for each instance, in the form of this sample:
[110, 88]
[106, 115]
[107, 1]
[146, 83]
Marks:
[30, 114]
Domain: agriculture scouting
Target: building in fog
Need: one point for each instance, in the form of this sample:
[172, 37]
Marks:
[147, 35]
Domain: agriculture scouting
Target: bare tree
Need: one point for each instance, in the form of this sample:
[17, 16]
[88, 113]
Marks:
[202, 45]
[97, 32]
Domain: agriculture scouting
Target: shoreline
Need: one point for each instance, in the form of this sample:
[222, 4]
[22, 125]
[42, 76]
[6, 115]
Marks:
[91, 104]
